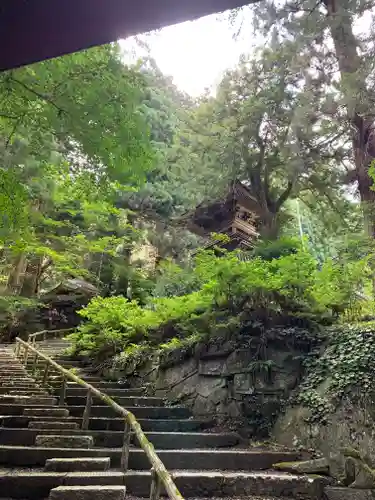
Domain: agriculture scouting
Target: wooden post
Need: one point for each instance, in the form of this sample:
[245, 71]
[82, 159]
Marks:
[86, 413]
[155, 485]
[62, 392]
[45, 375]
[34, 340]
[125, 447]
[35, 363]
[17, 349]
[26, 354]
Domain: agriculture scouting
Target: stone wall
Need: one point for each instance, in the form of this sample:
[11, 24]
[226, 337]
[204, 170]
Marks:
[243, 382]
[350, 425]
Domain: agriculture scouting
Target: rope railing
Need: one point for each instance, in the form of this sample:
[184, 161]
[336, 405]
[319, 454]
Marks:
[159, 474]
[43, 334]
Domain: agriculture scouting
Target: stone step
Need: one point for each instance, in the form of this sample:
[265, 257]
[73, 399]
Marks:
[45, 425]
[113, 392]
[64, 441]
[139, 411]
[122, 401]
[88, 493]
[116, 424]
[152, 412]
[194, 459]
[27, 392]
[53, 411]
[6, 389]
[209, 484]
[231, 484]
[114, 439]
[102, 385]
[37, 485]
[17, 380]
[27, 400]
[77, 464]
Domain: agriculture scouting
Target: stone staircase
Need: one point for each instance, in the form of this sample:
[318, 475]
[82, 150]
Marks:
[45, 454]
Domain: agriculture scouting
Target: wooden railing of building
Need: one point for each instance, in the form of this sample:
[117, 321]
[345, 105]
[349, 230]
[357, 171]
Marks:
[159, 474]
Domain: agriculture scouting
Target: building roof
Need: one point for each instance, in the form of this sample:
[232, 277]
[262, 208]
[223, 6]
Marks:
[34, 30]
[74, 286]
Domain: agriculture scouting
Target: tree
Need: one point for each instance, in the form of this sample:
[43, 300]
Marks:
[72, 134]
[331, 50]
[261, 128]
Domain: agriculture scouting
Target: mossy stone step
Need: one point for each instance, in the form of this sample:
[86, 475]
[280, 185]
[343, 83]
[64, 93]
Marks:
[53, 425]
[63, 441]
[46, 412]
[91, 492]
[78, 464]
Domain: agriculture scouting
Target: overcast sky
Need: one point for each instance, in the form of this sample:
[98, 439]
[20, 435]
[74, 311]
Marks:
[196, 53]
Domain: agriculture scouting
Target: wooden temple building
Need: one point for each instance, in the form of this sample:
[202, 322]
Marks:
[234, 216]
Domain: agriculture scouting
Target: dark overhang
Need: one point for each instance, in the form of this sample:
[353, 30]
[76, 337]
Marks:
[34, 30]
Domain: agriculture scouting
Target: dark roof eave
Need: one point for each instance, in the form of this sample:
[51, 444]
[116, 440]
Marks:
[34, 30]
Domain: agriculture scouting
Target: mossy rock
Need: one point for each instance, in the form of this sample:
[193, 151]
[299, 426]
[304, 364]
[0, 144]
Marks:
[315, 466]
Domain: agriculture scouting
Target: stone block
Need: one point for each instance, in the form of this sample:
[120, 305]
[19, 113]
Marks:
[342, 493]
[77, 464]
[211, 367]
[40, 424]
[46, 412]
[316, 466]
[92, 492]
[63, 441]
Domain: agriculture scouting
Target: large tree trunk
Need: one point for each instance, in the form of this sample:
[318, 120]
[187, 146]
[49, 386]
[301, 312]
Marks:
[16, 274]
[30, 285]
[356, 99]
[269, 227]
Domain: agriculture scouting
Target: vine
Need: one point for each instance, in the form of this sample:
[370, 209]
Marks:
[346, 365]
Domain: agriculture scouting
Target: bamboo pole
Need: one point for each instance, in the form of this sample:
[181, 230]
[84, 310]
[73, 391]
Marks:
[34, 363]
[26, 354]
[45, 375]
[155, 485]
[125, 448]
[62, 392]
[86, 413]
[44, 333]
[165, 478]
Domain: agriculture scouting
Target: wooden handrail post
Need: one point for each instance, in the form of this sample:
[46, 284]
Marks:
[155, 485]
[62, 392]
[17, 349]
[86, 413]
[45, 374]
[26, 354]
[125, 447]
[35, 361]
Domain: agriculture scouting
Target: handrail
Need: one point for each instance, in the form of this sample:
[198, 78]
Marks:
[159, 473]
[43, 333]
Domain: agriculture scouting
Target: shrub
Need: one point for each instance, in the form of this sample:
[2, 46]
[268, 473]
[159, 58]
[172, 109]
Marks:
[289, 284]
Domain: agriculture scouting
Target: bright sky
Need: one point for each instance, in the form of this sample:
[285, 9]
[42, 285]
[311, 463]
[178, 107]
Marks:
[197, 53]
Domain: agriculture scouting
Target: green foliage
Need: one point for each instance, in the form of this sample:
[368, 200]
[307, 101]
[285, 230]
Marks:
[290, 284]
[173, 280]
[268, 250]
[11, 311]
[346, 368]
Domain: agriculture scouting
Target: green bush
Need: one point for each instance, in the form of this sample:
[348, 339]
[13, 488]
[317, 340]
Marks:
[289, 284]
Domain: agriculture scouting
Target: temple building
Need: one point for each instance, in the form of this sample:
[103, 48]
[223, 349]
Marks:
[234, 216]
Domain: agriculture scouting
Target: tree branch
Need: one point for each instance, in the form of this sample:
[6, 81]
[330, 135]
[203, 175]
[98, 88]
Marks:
[284, 196]
[38, 94]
